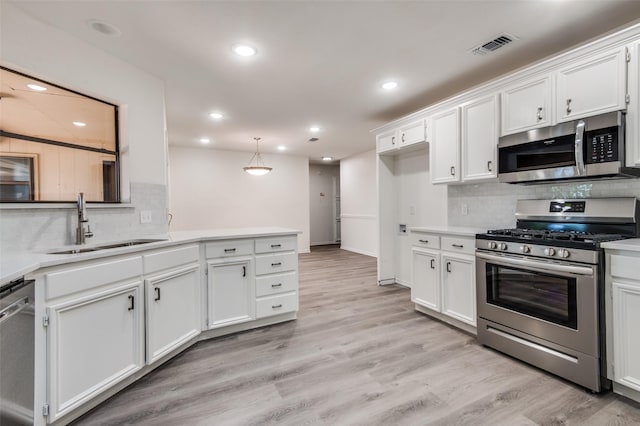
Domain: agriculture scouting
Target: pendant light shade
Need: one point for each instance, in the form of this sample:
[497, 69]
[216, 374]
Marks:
[257, 169]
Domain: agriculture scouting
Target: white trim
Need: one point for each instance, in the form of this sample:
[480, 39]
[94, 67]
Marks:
[358, 216]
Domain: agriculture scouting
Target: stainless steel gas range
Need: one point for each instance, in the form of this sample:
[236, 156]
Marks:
[540, 286]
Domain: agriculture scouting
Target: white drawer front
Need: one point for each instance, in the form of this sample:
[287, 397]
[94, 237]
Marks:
[273, 284]
[170, 258]
[273, 263]
[459, 244]
[271, 245]
[623, 266]
[275, 305]
[229, 248]
[421, 239]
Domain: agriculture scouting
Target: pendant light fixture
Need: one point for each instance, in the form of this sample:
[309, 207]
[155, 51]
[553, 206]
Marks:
[259, 168]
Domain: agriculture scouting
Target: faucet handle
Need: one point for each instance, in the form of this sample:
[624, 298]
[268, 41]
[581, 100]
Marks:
[88, 234]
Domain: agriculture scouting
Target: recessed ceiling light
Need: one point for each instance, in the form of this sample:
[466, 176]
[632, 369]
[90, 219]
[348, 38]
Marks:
[104, 28]
[314, 129]
[215, 115]
[389, 85]
[205, 140]
[327, 158]
[36, 87]
[244, 50]
[79, 124]
[282, 148]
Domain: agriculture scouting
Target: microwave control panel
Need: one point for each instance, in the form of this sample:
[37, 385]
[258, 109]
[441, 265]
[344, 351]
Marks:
[602, 146]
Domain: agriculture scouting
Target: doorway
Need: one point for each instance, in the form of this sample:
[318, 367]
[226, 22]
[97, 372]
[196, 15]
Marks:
[324, 203]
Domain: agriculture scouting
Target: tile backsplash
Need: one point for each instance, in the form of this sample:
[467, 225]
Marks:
[44, 228]
[492, 205]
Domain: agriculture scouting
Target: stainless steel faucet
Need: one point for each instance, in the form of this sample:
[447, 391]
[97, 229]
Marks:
[81, 233]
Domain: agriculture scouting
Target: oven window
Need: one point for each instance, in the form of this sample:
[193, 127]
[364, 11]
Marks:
[548, 297]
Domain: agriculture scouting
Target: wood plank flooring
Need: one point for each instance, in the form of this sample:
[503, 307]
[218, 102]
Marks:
[357, 355]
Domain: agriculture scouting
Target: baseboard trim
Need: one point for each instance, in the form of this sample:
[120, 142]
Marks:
[366, 253]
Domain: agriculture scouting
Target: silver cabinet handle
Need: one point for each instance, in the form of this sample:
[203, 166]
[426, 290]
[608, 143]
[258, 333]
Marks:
[393, 140]
[424, 241]
[433, 266]
[489, 164]
[457, 245]
[276, 285]
[157, 290]
[568, 106]
[276, 306]
[539, 113]
[448, 266]
[231, 250]
[132, 303]
[276, 264]
[453, 171]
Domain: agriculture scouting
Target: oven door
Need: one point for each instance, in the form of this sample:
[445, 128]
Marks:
[555, 302]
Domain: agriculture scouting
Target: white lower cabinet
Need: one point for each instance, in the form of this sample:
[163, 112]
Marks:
[94, 341]
[443, 278]
[623, 280]
[231, 292]
[173, 314]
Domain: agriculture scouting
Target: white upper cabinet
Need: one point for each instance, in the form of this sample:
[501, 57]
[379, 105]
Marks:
[592, 86]
[527, 105]
[409, 134]
[480, 138]
[444, 153]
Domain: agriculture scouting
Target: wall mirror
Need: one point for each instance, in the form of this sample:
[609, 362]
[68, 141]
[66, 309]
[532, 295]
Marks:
[55, 143]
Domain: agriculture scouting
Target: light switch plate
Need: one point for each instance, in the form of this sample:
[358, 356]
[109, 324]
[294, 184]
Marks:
[145, 216]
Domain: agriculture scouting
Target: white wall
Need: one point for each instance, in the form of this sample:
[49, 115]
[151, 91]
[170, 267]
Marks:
[324, 184]
[208, 189]
[29, 46]
[358, 195]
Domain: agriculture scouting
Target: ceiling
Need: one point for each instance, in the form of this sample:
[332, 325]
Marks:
[321, 62]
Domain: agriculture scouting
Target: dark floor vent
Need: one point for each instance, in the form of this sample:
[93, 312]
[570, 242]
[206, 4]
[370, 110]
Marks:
[493, 45]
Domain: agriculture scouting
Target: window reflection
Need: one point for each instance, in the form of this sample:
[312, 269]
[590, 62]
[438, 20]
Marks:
[44, 156]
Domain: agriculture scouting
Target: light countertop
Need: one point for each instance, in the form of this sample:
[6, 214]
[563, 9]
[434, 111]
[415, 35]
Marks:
[450, 230]
[632, 244]
[14, 265]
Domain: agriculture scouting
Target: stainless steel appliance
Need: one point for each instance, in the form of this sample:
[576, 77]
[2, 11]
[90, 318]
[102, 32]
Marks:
[16, 353]
[540, 286]
[581, 149]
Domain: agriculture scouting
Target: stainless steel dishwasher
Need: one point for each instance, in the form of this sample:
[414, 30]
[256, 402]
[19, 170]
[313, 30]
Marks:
[16, 353]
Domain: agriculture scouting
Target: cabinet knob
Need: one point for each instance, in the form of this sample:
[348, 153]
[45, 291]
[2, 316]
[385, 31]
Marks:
[539, 113]
[453, 171]
[568, 106]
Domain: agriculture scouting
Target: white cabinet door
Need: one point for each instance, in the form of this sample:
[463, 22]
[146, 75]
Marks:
[626, 344]
[444, 153]
[527, 105]
[413, 133]
[459, 288]
[173, 310]
[480, 138]
[231, 292]
[592, 86]
[94, 342]
[386, 141]
[425, 288]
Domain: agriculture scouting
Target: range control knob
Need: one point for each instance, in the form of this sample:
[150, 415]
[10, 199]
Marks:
[525, 249]
[564, 253]
[502, 246]
[492, 245]
[550, 251]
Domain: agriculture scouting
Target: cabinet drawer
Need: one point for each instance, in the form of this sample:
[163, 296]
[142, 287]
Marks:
[275, 305]
[421, 239]
[172, 258]
[86, 277]
[625, 267]
[270, 245]
[229, 248]
[270, 264]
[274, 284]
[459, 244]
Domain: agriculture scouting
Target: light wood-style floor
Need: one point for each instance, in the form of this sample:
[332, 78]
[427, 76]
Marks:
[357, 355]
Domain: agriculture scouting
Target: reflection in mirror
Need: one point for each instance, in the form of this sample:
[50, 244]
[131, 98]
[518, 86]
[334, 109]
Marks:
[55, 143]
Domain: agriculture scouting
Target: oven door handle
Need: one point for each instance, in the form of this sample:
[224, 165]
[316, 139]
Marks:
[534, 264]
[579, 148]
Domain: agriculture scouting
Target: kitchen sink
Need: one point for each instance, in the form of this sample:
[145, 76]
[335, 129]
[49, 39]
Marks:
[107, 246]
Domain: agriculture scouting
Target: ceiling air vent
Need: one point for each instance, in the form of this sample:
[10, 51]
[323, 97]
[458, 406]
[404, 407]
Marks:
[314, 140]
[493, 45]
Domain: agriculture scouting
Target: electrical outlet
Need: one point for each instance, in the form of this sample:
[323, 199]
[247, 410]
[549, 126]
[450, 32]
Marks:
[145, 216]
[412, 210]
[465, 210]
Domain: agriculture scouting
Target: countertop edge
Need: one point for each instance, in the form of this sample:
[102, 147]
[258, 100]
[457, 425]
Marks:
[632, 244]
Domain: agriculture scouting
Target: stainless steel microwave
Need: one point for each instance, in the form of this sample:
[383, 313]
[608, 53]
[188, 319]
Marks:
[588, 148]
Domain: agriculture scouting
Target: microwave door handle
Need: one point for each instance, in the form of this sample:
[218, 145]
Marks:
[579, 148]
